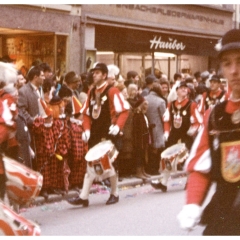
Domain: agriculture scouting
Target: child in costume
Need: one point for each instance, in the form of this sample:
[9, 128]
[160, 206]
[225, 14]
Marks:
[77, 162]
[62, 144]
[43, 131]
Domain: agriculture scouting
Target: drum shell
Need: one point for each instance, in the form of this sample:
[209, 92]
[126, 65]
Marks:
[104, 159]
[22, 183]
[12, 224]
[173, 155]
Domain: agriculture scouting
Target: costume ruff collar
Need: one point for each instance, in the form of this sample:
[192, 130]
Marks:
[182, 103]
[77, 121]
[217, 93]
[101, 86]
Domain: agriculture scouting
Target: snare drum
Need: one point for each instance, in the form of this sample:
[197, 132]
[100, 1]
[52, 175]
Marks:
[12, 224]
[22, 183]
[173, 155]
[100, 158]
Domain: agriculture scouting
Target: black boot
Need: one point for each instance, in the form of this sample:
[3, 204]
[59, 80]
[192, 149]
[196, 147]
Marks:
[159, 186]
[78, 201]
[44, 193]
[112, 199]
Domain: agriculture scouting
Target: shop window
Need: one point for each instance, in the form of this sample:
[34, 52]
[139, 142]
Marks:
[61, 55]
[26, 49]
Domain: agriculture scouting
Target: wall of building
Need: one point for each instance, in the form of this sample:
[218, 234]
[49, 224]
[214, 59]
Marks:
[62, 19]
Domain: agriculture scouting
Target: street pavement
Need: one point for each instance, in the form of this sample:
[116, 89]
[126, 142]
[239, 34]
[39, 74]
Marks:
[126, 182]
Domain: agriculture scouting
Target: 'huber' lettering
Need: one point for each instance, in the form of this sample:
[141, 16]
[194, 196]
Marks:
[172, 44]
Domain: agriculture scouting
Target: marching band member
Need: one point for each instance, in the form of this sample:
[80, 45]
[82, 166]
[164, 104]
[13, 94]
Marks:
[104, 114]
[181, 119]
[8, 76]
[181, 124]
[213, 96]
[215, 155]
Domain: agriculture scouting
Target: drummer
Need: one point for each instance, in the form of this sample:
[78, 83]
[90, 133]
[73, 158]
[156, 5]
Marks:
[214, 157]
[104, 115]
[8, 111]
[182, 121]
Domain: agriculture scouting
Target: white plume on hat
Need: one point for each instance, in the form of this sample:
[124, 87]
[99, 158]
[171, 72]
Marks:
[10, 88]
[205, 74]
[218, 46]
[8, 73]
[113, 70]
[94, 65]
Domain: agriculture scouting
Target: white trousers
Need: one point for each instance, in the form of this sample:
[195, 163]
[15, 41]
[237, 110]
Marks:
[88, 181]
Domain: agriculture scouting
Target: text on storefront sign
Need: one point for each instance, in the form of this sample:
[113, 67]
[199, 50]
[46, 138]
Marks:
[171, 13]
[171, 44]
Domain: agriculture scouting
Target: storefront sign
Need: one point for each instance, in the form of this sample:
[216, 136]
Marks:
[132, 40]
[171, 13]
[171, 44]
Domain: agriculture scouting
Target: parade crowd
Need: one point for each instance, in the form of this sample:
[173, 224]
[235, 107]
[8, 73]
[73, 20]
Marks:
[50, 122]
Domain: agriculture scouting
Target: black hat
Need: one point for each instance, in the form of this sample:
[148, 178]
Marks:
[215, 78]
[182, 84]
[230, 41]
[102, 67]
[150, 79]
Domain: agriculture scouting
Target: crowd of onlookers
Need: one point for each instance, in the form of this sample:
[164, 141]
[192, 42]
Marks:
[162, 113]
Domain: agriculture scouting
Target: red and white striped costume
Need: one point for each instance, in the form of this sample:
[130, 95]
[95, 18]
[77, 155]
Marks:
[214, 97]
[199, 161]
[195, 117]
[118, 107]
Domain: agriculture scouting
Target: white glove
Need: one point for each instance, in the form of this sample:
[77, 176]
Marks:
[6, 115]
[86, 136]
[192, 130]
[165, 136]
[114, 130]
[189, 216]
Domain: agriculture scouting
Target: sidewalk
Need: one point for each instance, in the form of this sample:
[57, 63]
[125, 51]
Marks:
[125, 183]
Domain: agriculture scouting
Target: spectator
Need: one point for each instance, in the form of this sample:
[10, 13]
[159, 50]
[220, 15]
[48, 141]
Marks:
[165, 88]
[156, 109]
[71, 84]
[132, 77]
[150, 79]
[28, 101]
[140, 133]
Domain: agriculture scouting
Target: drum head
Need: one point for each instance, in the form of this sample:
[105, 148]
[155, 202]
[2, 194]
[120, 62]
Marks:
[98, 151]
[173, 151]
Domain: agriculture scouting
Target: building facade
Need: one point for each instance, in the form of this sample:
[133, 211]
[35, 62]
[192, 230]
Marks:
[171, 38]
[49, 33]
[137, 34]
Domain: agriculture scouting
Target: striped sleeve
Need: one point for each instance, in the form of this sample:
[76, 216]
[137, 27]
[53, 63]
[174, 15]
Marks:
[198, 166]
[86, 115]
[119, 107]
